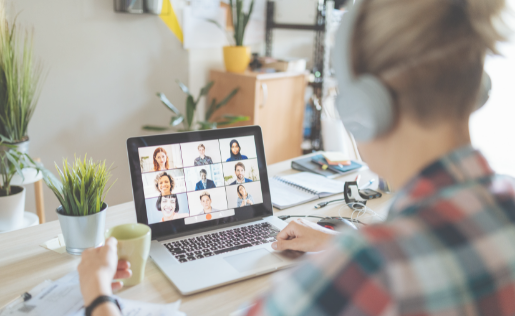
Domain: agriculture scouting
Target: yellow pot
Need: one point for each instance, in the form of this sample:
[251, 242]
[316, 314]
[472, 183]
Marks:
[236, 58]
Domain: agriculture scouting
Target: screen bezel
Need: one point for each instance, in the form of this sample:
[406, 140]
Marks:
[177, 227]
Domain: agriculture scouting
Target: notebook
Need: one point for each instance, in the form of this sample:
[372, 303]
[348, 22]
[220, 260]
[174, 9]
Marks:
[292, 190]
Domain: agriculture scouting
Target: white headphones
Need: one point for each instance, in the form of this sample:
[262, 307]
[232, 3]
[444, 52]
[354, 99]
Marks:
[364, 103]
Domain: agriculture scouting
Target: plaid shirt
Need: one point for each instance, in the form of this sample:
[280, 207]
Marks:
[447, 248]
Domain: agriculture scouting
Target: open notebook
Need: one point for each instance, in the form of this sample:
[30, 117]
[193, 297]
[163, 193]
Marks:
[303, 187]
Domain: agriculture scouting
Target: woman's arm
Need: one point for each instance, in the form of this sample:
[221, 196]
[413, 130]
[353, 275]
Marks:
[97, 269]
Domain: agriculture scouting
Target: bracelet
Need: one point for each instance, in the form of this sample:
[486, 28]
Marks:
[100, 300]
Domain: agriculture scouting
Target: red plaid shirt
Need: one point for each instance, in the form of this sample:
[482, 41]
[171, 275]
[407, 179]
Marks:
[447, 248]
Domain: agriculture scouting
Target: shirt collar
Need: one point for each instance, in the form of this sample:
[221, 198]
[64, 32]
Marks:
[460, 166]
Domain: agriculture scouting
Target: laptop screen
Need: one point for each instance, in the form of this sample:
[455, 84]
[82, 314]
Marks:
[181, 184]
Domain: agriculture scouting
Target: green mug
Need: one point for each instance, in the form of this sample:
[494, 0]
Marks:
[133, 246]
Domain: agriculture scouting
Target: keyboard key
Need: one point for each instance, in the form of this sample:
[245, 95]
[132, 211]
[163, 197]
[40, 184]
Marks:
[217, 252]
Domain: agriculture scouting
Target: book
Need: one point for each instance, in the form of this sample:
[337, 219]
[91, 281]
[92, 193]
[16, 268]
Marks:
[322, 162]
[307, 164]
[292, 190]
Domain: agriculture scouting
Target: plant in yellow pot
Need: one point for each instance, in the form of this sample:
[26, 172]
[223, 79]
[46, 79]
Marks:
[237, 57]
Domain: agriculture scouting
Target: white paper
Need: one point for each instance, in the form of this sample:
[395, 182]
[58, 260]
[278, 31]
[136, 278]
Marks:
[201, 33]
[284, 196]
[63, 297]
[315, 183]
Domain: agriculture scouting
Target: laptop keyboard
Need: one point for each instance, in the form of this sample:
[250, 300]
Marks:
[221, 242]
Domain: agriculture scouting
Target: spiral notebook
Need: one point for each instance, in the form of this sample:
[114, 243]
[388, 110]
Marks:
[292, 190]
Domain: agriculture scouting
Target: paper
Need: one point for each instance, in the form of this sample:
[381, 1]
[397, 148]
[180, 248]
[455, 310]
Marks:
[63, 297]
[315, 183]
[55, 244]
[201, 33]
[284, 196]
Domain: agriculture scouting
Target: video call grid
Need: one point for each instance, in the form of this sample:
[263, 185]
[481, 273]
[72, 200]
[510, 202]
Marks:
[190, 167]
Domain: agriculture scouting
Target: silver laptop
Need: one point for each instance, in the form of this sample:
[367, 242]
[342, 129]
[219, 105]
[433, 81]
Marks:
[207, 199]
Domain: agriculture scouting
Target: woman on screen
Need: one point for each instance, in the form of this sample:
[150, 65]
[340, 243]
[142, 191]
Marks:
[235, 151]
[205, 200]
[160, 159]
[164, 183]
[169, 205]
[244, 198]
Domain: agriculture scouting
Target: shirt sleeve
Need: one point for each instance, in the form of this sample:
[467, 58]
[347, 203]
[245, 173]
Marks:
[347, 279]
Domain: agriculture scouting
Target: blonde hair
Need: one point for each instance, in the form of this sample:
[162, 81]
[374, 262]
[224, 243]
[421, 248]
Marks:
[430, 53]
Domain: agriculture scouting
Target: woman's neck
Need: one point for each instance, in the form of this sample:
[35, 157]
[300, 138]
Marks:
[410, 147]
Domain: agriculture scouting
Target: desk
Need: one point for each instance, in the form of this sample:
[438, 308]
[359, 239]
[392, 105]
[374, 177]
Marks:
[24, 264]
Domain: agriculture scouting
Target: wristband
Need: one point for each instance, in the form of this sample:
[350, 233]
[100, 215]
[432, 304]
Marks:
[100, 300]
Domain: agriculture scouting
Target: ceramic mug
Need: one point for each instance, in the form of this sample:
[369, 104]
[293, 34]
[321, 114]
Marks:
[133, 246]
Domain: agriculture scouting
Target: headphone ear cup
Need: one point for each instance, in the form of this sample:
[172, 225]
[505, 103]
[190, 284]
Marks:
[484, 91]
[366, 108]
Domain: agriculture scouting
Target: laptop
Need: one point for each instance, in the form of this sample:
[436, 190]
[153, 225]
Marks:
[206, 197]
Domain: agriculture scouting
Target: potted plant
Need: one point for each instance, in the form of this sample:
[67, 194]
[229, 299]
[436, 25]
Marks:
[83, 211]
[12, 198]
[20, 81]
[191, 108]
[237, 56]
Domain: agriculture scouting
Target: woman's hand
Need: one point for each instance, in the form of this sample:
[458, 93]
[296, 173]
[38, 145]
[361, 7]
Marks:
[243, 203]
[98, 268]
[249, 202]
[303, 235]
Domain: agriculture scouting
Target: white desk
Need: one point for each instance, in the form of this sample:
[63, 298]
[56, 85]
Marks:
[24, 264]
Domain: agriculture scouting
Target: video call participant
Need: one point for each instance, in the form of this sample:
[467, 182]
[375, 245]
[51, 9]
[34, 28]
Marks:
[239, 169]
[204, 182]
[169, 205]
[244, 198]
[235, 152]
[205, 200]
[160, 160]
[164, 183]
[202, 159]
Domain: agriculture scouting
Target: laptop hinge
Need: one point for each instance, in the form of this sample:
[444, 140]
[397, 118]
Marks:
[197, 231]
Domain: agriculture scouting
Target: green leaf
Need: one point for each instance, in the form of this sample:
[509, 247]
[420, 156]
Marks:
[211, 109]
[190, 111]
[204, 91]
[167, 103]
[227, 98]
[207, 125]
[215, 23]
[176, 120]
[183, 87]
[231, 119]
[155, 128]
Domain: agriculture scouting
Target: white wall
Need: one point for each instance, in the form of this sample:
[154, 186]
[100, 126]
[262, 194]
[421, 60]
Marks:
[104, 69]
[493, 126]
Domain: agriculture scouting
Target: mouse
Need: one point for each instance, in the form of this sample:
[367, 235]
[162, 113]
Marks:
[337, 224]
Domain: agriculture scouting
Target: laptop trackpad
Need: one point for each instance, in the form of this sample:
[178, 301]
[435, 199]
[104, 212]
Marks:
[252, 260]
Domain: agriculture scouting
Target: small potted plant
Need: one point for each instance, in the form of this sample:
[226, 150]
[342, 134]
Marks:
[20, 78]
[12, 198]
[237, 56]
[82, 212]
[191, 108]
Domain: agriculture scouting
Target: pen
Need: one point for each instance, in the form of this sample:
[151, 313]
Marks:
[368, 184]
[20, 299]
[358, 177]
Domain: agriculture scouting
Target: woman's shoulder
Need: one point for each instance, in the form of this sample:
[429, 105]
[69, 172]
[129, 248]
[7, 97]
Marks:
[244, 157]
[228, 159]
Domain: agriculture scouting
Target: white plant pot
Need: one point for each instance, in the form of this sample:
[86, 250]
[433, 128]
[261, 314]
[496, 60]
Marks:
[12, 208]
[82, 232]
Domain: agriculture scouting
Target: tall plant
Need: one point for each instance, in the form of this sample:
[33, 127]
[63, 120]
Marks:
[82, 190]
[20, 77]
[240, 19]
[191, 108]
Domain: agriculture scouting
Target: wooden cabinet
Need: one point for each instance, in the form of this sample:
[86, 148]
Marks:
[273, 101]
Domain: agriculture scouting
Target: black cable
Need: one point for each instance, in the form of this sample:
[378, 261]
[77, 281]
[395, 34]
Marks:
[285, 217]
[324, 204]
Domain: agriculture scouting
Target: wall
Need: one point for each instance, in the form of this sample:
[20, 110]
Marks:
[103, 71]
[492, 127]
